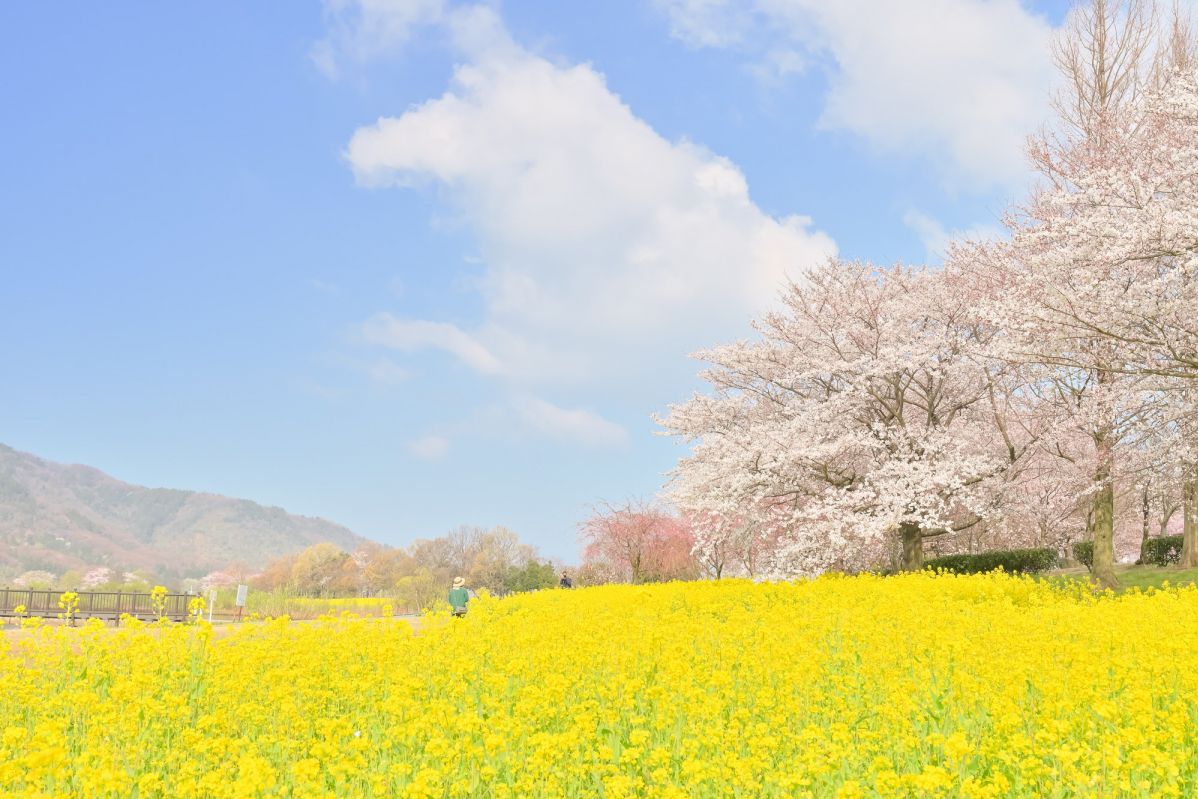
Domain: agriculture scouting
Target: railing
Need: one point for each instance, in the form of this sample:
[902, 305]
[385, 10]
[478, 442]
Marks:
[93, 604]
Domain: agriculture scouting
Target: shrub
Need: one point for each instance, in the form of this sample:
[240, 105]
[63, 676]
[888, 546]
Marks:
[1163, 551]
[1025, 561]
[532, 576]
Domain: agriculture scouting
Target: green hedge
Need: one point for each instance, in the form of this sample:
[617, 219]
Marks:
[1025, 561]
[1163, 551]
[1083, 551]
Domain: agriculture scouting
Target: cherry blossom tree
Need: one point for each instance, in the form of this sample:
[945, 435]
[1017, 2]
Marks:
[1160, 493]
[1108, 265]
[1034, 388]
[1098, 283]
[1045, 503]
[862, 416]
[34, 579]
[640, 541]
[713, 543]
[740, 544]
[96, 577]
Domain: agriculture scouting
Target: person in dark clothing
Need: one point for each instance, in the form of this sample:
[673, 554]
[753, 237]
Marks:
[459, 596]
[566, 582]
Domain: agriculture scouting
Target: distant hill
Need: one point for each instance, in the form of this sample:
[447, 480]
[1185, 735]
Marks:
[57, 517]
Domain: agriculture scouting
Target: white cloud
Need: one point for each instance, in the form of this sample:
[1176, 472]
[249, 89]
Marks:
[962, 81]
[710, 23]
[408, 335]
[936, 238]
[386, 372]
[360, 30]
[429, 448]
[572, 424]
[522, 415]
[608, 249]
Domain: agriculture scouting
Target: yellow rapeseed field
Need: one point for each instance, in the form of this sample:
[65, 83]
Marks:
[913, 686]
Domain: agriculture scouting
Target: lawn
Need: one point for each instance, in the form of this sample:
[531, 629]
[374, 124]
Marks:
[1141, 577]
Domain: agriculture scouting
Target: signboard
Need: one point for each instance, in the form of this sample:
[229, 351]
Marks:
[242, 590]
[211, 602]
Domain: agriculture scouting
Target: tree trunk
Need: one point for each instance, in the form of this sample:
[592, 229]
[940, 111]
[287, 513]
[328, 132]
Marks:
[1146, 508]
[1189, 516]
[912, 546]
[1103, 570]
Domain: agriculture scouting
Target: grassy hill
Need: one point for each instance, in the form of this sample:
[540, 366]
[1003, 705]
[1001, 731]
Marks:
[58, 517]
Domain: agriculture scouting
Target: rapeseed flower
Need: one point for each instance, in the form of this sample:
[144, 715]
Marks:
[979, 687]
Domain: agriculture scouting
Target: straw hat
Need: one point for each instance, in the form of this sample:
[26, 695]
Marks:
[458, 582]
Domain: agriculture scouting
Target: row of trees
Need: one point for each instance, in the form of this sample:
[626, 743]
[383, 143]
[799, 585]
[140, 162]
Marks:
[494, 559]
[1014, 395]
[635, 542]
[98, 578]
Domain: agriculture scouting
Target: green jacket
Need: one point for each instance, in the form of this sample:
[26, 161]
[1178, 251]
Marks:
[458, 597]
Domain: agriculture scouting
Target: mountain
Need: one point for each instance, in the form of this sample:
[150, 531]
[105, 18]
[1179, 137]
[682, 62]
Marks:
[57, 517]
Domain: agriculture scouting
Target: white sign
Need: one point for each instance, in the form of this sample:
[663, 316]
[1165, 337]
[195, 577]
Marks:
[211, 602]
[242, 590]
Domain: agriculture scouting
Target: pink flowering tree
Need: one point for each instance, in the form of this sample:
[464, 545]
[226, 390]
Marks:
[1038, 389]
[640, 542]
[1099, 286]
[862, 421]
[740, 544]
[96, 577]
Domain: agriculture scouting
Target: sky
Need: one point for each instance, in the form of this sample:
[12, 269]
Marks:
[413, 264]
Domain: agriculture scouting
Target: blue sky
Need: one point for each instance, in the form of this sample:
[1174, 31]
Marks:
[409, 264]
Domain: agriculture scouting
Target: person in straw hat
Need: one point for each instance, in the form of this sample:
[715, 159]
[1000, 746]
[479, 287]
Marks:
[459, 596]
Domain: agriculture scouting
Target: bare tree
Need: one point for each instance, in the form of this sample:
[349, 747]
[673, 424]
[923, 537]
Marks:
[1177, 51]
[1105, 54]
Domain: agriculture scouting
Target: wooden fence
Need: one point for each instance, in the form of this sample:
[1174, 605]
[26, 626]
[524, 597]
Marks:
[108, 605]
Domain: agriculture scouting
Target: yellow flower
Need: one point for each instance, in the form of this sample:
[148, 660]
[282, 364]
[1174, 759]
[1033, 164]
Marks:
[913, 686]
[850, 790]
[196, 608]
[68, 601]
[158, 600]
